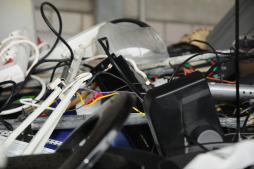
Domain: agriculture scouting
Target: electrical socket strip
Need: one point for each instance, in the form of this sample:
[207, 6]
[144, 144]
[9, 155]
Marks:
[13, 63]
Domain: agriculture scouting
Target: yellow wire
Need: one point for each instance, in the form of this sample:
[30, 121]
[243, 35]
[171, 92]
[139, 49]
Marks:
[81, 99]
[52, 102]
[138, 111]
[101, 98]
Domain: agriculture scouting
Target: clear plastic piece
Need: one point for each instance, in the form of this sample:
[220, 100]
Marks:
[142, 44]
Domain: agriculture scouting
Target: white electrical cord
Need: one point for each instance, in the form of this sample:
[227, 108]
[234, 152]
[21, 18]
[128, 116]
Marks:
[138, 71]
[37, 54]
[11, 38]
[39, 47]
[27, 101]
[43, 89]
[96, 57]
[43, 44]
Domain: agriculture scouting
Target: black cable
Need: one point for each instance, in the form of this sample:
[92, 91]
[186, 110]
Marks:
[111, 59]
[225, 104]
[11, 94]
[42, 60]
[186, 134]
[46, 69]
[118, 89]
[245, 122]
[94, 76]
[246, 109]
[51, 27]
[237, 68]
[233, 134]
[217, 57]
[5, 123]
[28, 76]
[50, 68]
[177, 69]
[247, 117]
[53, 73]
[227, 61]
[137, 22]
[195, 142]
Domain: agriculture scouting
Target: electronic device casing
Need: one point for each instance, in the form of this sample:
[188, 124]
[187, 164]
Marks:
[183, 105]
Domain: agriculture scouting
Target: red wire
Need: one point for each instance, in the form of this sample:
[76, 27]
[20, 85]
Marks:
[188, 71]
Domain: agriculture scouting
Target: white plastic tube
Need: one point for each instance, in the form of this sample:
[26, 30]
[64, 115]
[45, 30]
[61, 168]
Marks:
[38, 142]
[45, 131]
[43, 89]
[23, 42]
[30, 119]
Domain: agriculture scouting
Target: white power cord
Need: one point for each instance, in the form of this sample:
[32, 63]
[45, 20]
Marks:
[27, 101]
[96, 57]
[39, 47]
[43, 89]
[43, 44]
[11, 38]
[138, 71]
[22, 42]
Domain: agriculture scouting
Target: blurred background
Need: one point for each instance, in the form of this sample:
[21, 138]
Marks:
[172, 19]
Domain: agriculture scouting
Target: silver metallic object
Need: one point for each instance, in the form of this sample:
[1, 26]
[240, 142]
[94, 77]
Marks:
[227, 92]
[231, 122]
[74, 121]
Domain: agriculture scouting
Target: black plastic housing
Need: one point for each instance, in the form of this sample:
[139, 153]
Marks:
[182, 105]
[110, 83]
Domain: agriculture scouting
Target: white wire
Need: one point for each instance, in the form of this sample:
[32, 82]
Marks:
[85, 77]
[26, 102]
[95, 57]
[129, 60]
[137, 69]
[39, 47]
[43, 89]
[43, 44]
[20, 42]
[11, 38]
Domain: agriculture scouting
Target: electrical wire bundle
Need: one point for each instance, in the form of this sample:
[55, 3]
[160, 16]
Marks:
[16, 90]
